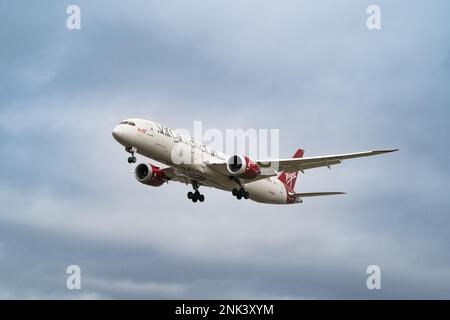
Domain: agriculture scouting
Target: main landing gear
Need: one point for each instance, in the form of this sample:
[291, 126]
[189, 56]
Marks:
[131, 150]
[196, 195]
[239, 193]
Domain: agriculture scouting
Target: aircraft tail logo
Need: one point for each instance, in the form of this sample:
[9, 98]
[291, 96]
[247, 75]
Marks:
[289, 178]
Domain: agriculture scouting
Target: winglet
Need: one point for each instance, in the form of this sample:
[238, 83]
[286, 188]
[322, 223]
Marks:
[384, 151]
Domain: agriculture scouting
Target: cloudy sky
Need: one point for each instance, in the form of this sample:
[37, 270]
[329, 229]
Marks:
[310, 68]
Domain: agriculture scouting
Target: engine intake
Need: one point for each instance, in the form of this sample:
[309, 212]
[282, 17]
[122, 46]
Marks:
[149, 174]
[243, 167]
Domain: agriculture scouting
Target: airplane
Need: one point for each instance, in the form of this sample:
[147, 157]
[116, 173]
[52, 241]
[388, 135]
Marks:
[266, 181]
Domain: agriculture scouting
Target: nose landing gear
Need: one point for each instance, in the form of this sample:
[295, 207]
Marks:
[196, 195]
[131, 150]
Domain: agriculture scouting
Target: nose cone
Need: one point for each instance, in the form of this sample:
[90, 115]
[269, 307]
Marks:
[118, 133]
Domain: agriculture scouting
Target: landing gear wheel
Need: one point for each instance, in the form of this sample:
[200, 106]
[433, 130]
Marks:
[196, 195]
[131, 159]
[240, 193]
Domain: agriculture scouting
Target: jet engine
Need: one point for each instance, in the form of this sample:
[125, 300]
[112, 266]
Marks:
[149, 174]
[243, 167]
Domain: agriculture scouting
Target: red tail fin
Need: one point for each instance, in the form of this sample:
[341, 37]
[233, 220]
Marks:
[289, 178]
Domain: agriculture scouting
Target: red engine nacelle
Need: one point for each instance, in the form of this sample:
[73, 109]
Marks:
[243, 167]
[149, 174]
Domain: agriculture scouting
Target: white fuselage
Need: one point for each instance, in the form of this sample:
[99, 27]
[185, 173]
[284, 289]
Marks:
[154, 141]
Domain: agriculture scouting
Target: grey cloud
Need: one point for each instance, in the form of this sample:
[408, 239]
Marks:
[311, 70]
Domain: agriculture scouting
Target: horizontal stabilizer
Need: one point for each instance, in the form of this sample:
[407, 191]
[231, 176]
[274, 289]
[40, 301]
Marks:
[316, 194]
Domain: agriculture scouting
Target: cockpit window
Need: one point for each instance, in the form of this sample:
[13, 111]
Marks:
[128, 123]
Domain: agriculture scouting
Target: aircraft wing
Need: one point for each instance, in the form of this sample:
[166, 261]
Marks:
[301, 164]
[173, 174]
[221, 167]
